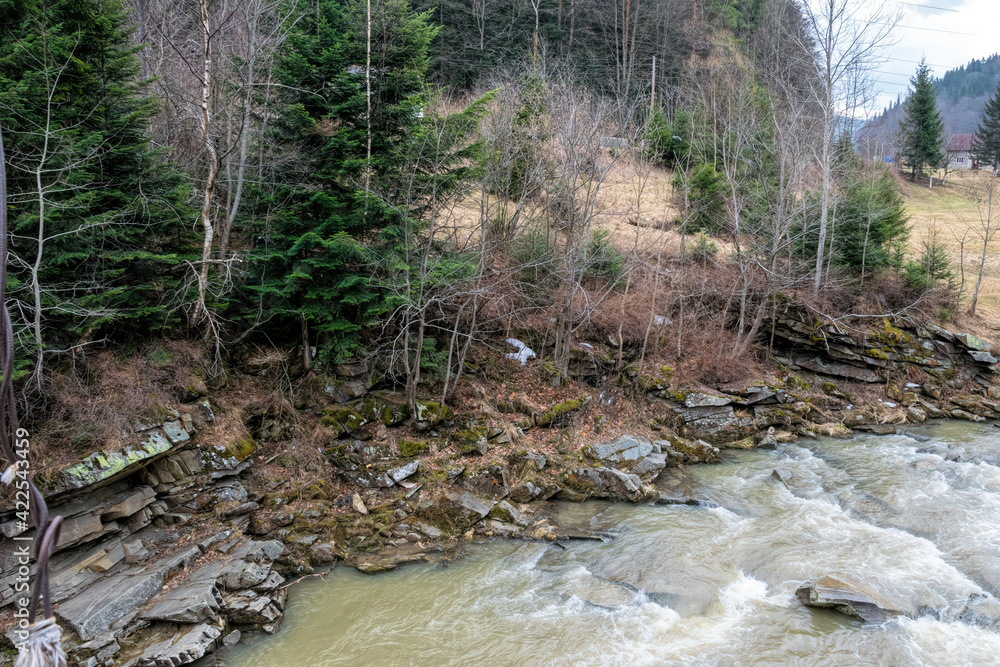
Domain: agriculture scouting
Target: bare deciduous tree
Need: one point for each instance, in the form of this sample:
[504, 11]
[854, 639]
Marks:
[849, 38]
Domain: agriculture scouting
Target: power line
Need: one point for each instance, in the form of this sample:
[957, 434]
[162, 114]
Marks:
[940, 9]
[905, 76]
[917, 62]
[947, 32]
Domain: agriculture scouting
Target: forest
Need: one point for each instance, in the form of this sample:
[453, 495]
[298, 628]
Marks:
[402, 183]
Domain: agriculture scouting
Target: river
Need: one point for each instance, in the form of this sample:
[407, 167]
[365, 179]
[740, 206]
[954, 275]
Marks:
[913, 516]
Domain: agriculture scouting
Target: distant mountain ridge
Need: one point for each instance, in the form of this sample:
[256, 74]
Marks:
[961, 96]
[962, 93]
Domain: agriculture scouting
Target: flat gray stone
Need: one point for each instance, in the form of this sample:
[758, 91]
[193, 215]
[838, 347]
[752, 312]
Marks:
[248, 608]
[847, 597]
[196, 601]
[654, 462]
[183, 648]
[839, 369]
[128, 503]
[983, 357]
[91, 612]
[624, 448]
[697, 399]
[274, 579]
[402, 472]
[239, 574]
[175, 432]
[79, 529]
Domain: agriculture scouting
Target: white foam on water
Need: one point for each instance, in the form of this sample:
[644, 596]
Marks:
[914, 527]
[938, 644]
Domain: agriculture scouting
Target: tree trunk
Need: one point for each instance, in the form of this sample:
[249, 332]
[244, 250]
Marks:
[213, 159]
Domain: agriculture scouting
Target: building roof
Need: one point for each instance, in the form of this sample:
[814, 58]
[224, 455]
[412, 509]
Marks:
[960, 143]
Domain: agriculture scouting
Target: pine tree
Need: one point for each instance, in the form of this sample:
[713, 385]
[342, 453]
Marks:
[922, 127]
[96, 216]
[986, 142]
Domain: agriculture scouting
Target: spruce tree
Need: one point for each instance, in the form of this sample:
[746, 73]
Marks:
[96, 216]
[922, 128]
[872, 225]
[986, 142]
[312, 262]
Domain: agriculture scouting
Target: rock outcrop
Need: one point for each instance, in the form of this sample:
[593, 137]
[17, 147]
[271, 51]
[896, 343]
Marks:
[125, 565]
[866, 355]
[847, 597]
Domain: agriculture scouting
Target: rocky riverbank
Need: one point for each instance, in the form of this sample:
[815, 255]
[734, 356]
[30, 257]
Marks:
[176, 545]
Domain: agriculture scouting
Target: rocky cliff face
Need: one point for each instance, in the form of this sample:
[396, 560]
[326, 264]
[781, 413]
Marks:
[131, 582]
[876, 351]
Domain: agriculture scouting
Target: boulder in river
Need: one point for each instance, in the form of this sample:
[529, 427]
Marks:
[455, 510]
[847, 597]
[982, 610]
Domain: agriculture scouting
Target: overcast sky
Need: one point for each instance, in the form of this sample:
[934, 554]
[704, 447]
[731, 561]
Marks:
[948, 33]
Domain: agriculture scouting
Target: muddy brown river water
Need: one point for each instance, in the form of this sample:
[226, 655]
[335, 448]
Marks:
[916, 517]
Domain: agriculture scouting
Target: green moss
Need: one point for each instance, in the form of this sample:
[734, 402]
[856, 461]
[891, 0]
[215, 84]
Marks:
[875, 353]
[473, 440]
[576, 483]
[369, 409]
[797, 382]
[337, 450]
[432, 412]
[647, 382]
[412, 447]
[667, 372]
[892, 336]
[393, 414]
[501, 514]
[435, 476]
[560, 411]
[241, 447]
[159, 356]
[343, 420]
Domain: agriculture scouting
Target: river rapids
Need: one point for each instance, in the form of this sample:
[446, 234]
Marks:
[913, 516]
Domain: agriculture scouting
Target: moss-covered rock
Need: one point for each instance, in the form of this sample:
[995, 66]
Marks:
[797, 382]
[432, 412]
[506, 512]
[688, 451]
[560, 413]
[472, 441]
[454, 511]
[650, 384]
[344, 421]
[412, 447]
[103, 466]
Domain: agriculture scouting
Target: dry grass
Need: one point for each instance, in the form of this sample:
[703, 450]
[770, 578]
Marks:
[949, 212]
[95, 402]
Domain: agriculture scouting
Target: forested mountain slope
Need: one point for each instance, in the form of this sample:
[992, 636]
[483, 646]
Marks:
[962, 94]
